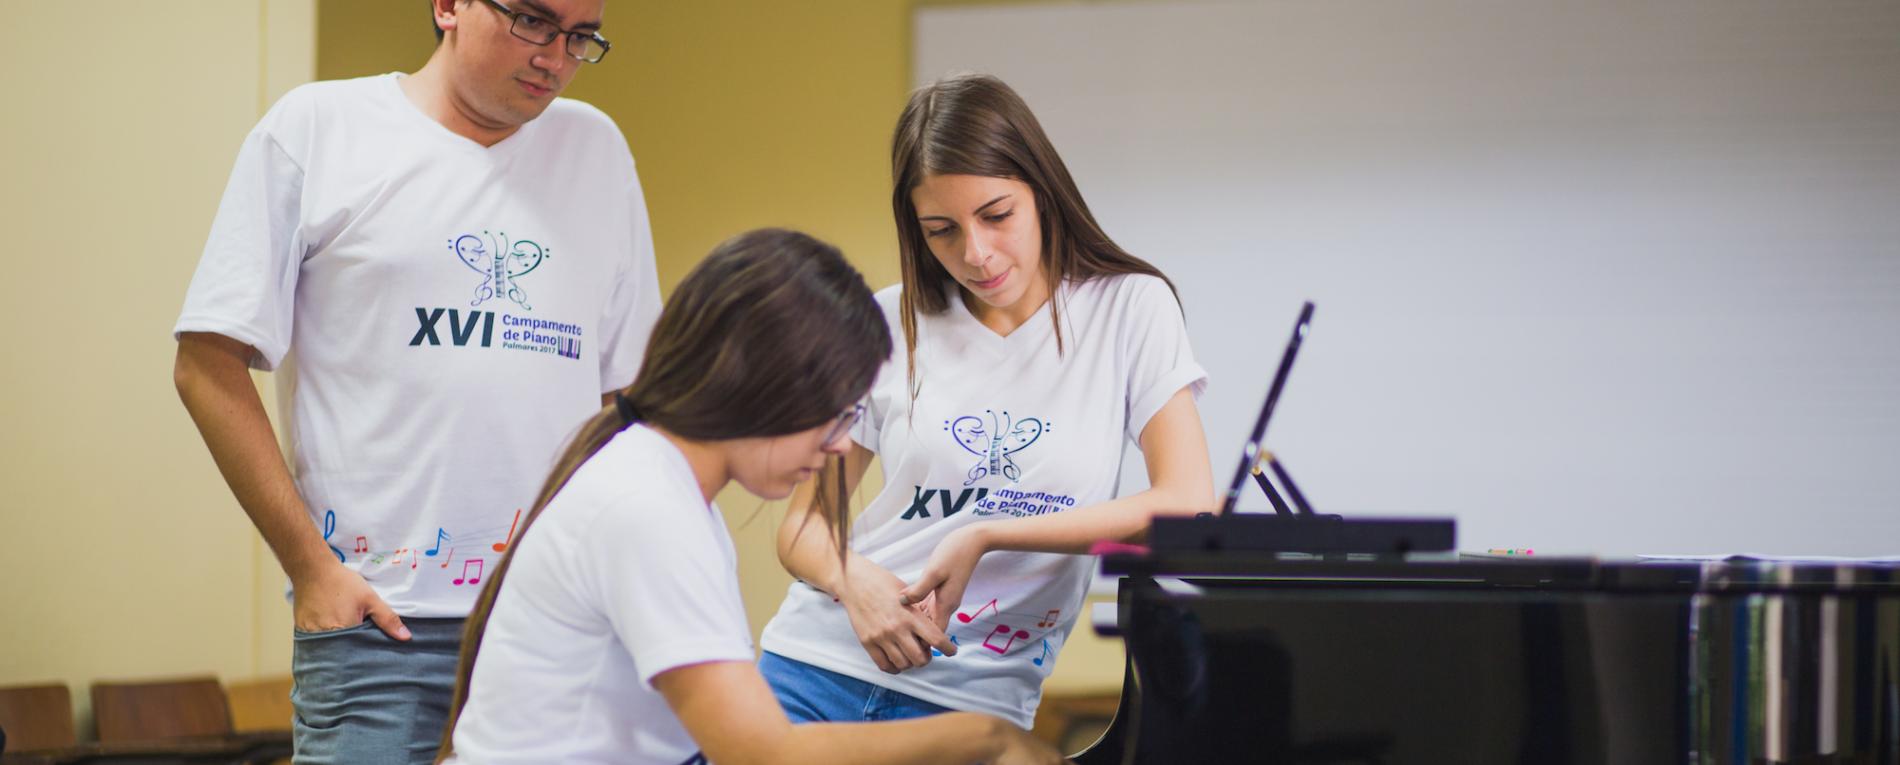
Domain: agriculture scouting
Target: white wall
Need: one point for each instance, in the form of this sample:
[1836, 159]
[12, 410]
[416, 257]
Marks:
[1611, 277]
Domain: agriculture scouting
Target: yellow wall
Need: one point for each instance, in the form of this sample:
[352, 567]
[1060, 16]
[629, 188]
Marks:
[741, 113]
[122, 554]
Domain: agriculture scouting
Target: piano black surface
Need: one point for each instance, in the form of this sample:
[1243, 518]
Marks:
[1247, 657]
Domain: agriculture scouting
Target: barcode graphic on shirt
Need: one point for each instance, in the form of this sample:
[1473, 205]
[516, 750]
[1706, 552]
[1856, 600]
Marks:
[568, 347]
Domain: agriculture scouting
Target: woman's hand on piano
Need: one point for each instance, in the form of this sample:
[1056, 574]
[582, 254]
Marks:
[895, 635]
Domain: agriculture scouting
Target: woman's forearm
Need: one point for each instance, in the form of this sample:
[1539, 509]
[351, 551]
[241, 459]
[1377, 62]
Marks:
[807, 539]
[955, 738]
[1124, 519]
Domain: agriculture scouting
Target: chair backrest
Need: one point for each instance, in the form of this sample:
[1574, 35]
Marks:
[260, 705]
[37, 717]
[153, 710]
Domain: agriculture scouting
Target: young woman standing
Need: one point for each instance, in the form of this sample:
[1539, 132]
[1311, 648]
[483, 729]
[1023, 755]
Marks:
[1033, 346]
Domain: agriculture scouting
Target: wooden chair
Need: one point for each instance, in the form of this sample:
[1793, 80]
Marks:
[184, 722]
[37, 717]
[262, 707]
[261, 704]
[180, 721]
[158, 710]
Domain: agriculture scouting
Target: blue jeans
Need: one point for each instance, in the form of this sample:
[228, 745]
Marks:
[364, 697]
[810, 694]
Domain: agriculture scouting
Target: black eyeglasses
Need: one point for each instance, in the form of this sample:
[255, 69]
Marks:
[845, 420]
[589, 47]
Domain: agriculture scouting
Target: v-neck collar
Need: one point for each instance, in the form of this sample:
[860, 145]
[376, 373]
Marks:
[501, 149]
[1029, 334]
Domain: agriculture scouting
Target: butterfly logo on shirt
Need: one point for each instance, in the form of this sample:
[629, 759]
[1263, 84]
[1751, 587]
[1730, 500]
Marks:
[501, 263]
[994, 441]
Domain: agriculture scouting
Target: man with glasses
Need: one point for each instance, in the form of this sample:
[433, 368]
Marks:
[459, 264]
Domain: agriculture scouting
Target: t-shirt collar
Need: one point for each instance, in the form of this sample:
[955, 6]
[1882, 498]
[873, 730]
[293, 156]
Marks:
[500, 150]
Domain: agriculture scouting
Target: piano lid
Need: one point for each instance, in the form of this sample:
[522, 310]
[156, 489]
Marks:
[1484, 572]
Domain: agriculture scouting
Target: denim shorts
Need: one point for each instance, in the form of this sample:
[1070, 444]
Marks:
[364, 697]
[811, 694]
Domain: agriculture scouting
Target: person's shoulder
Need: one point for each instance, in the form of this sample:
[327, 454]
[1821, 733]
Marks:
[889, 298]
[638, 466]
[575, 119]
[1127, 289]
[346, 88]
[608, 497]
[312, 113]
[315, 98]
[1132, 283]
[571, 128]
[578, 112]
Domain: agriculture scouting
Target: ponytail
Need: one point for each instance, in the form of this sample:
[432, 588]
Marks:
[772, 334]
[593, 435]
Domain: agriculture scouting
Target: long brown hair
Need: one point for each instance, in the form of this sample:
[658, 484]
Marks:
[773, 333]
[974, 124]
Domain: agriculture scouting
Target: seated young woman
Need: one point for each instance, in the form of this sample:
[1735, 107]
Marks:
[612, 630]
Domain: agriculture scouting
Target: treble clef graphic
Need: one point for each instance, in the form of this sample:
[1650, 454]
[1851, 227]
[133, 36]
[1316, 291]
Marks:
[329, 527]
[1008, 436]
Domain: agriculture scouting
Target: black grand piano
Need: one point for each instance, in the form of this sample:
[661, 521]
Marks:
[1244, 656]
[1307, 638]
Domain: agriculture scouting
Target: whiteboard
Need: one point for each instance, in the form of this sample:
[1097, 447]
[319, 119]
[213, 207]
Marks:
[1608, 277]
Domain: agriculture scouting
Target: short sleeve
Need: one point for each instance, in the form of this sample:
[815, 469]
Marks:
[246, 282]
[634, 305]
[870, 427]
[668, 587]
[889, 394]
[1155, 343]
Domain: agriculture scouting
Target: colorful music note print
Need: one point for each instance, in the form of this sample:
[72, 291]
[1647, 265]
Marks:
[502, 546]
[1001, 629]
[329, 527]
[465, 578]
[953, 641]
[967, 618]
[362, 544]
[440, 536]
[1048, 619]
[1045, 654]
[446, 561]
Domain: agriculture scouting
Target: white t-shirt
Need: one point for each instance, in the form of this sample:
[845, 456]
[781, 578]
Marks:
[454, 312]
[628, 573]
[1003, 427]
